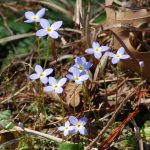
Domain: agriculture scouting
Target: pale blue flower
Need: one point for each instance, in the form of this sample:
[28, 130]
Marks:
[55, 86]
[41, 74]
[68, 129]
[81, 64]
[119, 55]
[141, 64]
[79, 124]
[48, 29]
[97, 50]
[32, 17]
[77, 77]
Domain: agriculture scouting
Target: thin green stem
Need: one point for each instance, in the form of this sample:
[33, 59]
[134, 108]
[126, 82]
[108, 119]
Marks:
[74, 99]
[117, 85]
[38, 50]
[103, 76]
[48, 49]
[38, 44]
[40, 104]
[63, 110]
[141, 73]
[9, 89]
[43, 110]
[84, 95]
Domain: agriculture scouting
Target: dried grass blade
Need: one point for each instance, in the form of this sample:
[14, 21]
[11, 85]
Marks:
[15, 37]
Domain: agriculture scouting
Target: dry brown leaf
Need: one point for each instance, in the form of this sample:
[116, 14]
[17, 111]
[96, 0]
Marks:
[9, 135]
[131, 18]
[72, 91]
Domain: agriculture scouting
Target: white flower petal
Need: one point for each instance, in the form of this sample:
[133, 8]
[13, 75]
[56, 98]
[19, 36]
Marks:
[61, 128]
[56, 25]
[83, 131]
[104, 48]
[78, 81]
[110, 54]
[48, 89]
[98, 55]
[29, 15]
[76, 72]
[125, 56]
[115, 60]
[84, 77]
[71, 69]
[53, 34]
[89, 51]
[121, 51]
[34, 76]
[38, 69]
[41, 32]
[62, 81]
[44, 23]
[66, 132]
[95, 45]
[48, 71]
[40, 13]
[67, 124]
[83, 60]
[73, 120]
[29, 21]
[44, 80]
[69, 76]
[52, 81]
[83, 120]
[59, 90]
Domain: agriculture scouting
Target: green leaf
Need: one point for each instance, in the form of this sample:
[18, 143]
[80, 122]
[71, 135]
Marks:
[130, 142]
[70, 146]
[33, 108]
[5, 115]
[19, 27]
[5, 120]
[145, 132]
[24, 46]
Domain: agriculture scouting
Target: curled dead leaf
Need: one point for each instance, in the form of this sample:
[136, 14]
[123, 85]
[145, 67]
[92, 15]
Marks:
[72, 91]
[131, 19]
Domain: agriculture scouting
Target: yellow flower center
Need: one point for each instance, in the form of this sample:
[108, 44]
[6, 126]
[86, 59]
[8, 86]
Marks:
[41, 74]
[79, 125]
[56, 86]
[49, 29]
[118, 55]
[34, 18]
[66, 128]
[80, 68]
[77, 78]
[97, 49]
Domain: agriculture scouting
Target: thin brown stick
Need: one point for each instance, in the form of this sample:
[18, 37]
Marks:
[37, 133]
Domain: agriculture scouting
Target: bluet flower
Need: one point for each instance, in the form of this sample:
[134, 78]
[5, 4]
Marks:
[81, 64]
[48, 29]
[77, 77]
[79, 124]
[119, 55]
[32, 17]
[55, 85]
[97, 50]
[141, 64]
[41, 74]
[67, 128]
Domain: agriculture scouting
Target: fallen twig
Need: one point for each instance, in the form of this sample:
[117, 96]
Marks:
[56, 139]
